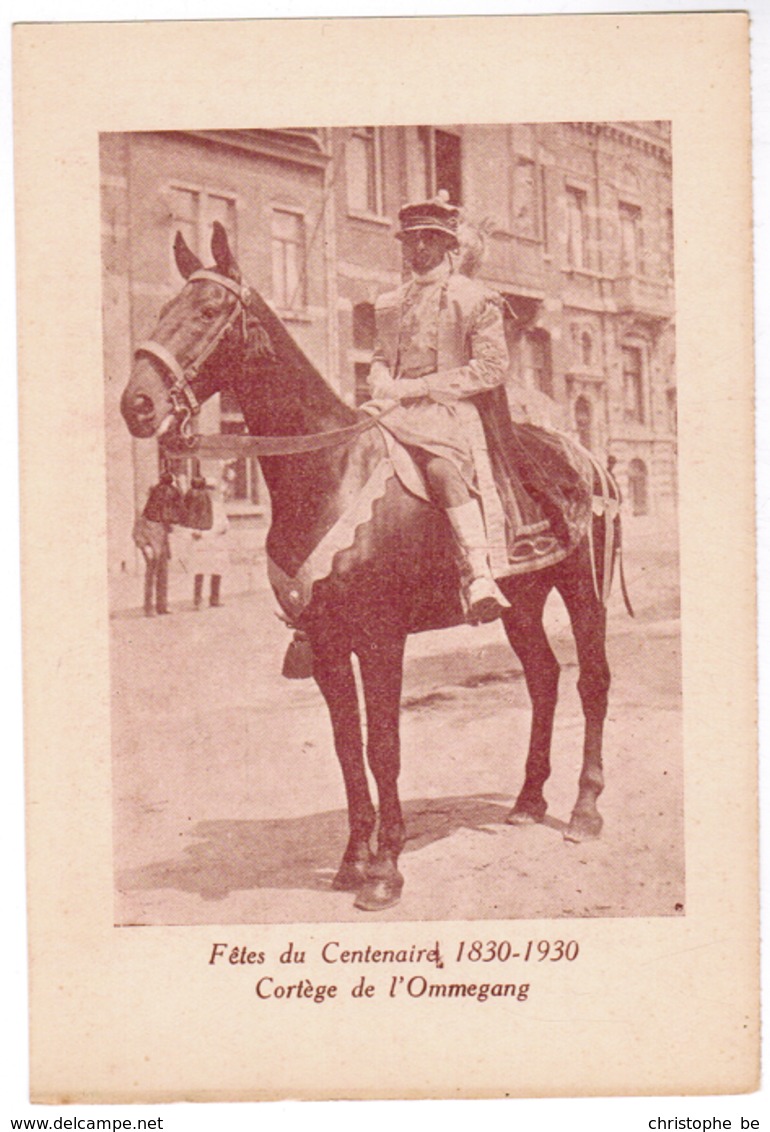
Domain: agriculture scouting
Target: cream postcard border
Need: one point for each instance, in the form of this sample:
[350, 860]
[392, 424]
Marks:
[661, 1005]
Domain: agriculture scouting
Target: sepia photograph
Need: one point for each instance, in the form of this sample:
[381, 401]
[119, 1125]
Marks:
[454, 349]
[387, 541]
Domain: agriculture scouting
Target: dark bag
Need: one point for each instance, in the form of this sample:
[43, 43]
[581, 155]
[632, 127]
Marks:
[198, 512]
[298, 662]
[165, 503]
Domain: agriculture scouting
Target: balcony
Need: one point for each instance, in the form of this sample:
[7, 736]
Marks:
[646, 298]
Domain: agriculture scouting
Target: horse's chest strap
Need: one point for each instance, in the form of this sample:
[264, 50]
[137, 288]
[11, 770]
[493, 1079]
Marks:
[294, 592]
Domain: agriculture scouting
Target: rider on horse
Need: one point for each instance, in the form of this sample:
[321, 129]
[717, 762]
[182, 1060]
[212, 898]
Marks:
[440, 341]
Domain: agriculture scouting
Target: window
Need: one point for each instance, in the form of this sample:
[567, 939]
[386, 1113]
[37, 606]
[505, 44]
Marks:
[193, 211]
[633, 389]
[441, 156]
[242, 475]
[363, 345]
[583, 421]
[448, 171]
[586, 349]
[631, 240]
[525, 199]
[668, 222]
[576, 228]
[184, 215]
[537, 361]
[637, 487]
[363, 326]
[288, 252]
[361, 372]
[362, 161]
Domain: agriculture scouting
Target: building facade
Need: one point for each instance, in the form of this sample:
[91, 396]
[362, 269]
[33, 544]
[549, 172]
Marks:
[579, 241]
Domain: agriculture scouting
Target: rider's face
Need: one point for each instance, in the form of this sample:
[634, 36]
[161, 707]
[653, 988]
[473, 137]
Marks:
[424, 249]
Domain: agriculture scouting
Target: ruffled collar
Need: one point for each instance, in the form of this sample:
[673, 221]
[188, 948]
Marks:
[439, 274]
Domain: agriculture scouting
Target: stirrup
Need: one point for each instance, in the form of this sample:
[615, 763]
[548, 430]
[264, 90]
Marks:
[485, 601]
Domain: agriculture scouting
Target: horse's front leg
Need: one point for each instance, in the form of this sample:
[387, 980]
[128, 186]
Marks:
[382, 666]
[333, 671]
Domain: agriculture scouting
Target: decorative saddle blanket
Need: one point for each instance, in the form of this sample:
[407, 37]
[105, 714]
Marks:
[523, 533]
[520, 534]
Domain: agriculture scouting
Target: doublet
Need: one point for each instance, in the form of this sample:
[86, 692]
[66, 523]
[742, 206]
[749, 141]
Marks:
[448, 330]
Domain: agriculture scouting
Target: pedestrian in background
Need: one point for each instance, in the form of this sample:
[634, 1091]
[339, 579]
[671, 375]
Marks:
[208, 551]
[151, 532]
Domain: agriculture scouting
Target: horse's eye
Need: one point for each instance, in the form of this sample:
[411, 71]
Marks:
[208, 313]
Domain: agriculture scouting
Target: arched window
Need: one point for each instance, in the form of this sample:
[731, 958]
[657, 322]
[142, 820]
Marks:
[363, 326]
[583, 421]
[638, 487]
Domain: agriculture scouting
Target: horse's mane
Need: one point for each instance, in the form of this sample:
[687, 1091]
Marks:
[273, 355]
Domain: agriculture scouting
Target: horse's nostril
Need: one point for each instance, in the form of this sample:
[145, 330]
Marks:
[142, 405]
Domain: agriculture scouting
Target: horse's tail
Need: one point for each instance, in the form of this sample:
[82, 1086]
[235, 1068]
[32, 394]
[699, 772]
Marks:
[605, 534]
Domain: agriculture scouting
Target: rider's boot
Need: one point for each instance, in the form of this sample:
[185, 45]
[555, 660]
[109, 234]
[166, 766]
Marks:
[484, 599]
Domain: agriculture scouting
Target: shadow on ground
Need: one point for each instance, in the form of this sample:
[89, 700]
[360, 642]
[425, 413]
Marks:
[300, 853]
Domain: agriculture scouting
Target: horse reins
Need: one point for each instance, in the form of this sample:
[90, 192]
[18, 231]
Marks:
[186, 405]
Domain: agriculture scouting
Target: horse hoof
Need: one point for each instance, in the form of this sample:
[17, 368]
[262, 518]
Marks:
[524, 817]
[583, 828]
[379, 894]
[350, 876]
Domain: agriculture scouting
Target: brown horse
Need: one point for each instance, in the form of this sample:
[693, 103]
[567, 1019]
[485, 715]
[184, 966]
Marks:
[398, 576]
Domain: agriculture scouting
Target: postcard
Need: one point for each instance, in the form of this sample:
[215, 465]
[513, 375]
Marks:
[388, 557]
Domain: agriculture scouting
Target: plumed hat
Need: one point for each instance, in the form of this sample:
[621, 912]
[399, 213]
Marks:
[436, 215]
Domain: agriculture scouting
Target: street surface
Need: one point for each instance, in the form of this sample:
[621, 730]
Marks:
[229, 805]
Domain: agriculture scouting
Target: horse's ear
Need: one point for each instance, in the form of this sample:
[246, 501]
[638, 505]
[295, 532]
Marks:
[223, 257]
[186, 261]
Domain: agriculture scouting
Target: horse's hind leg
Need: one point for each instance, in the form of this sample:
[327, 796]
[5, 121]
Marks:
[333, 671]
[524, 625]
[589, 623]
[382, 664]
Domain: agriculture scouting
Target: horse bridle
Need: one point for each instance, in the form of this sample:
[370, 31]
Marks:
[185, 405]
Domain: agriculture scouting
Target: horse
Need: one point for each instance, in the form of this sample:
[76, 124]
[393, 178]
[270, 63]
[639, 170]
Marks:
[396, 575]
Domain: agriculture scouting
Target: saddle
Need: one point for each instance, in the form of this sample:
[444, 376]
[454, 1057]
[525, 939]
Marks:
[545, 501]
[535, 486]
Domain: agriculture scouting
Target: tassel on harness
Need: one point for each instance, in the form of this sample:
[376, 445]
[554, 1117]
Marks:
[621, 571]
[610, 502]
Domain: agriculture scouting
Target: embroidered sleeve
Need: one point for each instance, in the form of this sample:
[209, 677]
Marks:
[488, 362]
